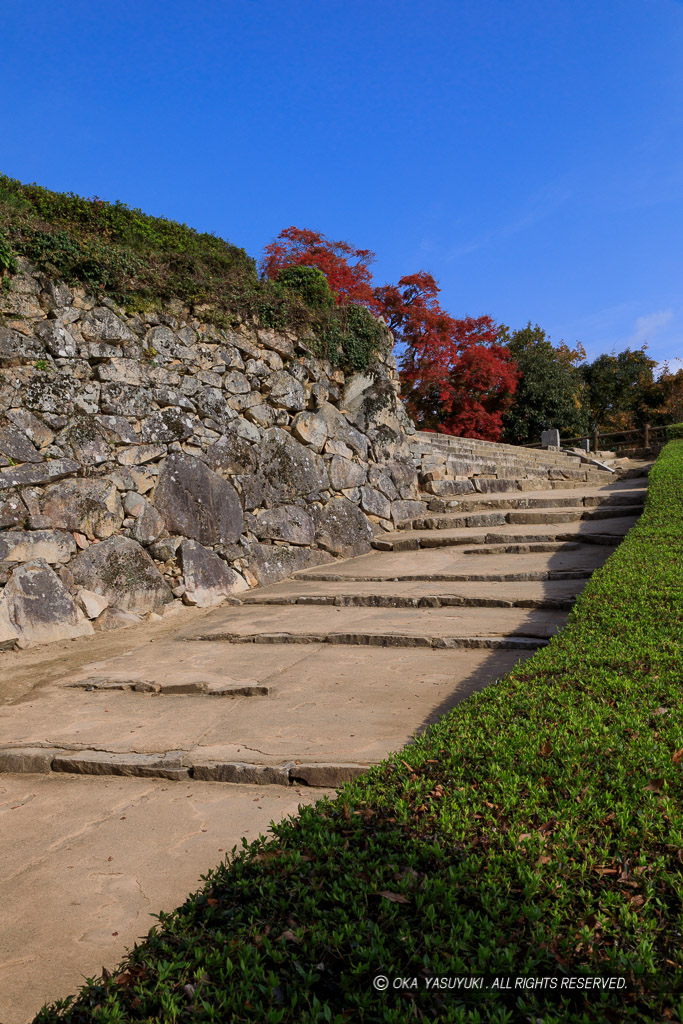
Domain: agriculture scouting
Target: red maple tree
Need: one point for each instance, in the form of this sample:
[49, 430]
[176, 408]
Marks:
[457, 378]
[346, 269]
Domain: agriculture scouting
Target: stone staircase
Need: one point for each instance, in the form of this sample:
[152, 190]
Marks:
[450, 466]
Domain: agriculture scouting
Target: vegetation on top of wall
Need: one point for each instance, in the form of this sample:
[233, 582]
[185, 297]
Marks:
[146, 262]
[535, 831]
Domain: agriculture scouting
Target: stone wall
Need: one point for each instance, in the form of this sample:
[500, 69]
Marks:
[148, 459]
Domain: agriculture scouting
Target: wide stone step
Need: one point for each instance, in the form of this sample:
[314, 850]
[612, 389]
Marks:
[350, 705]
[450, 564]
[416, 594]
[582, 529]
[445, 627]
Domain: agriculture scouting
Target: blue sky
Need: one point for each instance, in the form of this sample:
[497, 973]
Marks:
[529, 154]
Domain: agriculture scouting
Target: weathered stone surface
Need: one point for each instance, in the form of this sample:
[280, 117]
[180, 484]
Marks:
[115, 618]
[277, 343]
[51, 393]
[35, 606]
[325, 774]
[25, 546]
[13, 512]
[374, 503]
[32, 426]
[120, 570]
[345, 473]
[149, 525]
[310, 428]
[235, 383]
[86, 440]
[29, 760]
[89, 506]
[197, 503]
[272, 562]
[246, 774]
[342, 529]
[16, 446]
[288, 469]
[288, 522]
[92, 604]
[339, 429]
[166, 426]
[45, 473]
[18, 350]
[208, 580]
[118, 429]
[262, 415]
[99, 762]
[381, 479]
[120, 399]
[103, 325]
[138, 455]
[57, 339]
[401, 511]
[286, 392]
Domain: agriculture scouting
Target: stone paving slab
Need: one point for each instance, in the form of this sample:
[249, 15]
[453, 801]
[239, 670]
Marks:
[85, 862]
[450, 563]
[386, 593]
[341, 705]
[321, 623]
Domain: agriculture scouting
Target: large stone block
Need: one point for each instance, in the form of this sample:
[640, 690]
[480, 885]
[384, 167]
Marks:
[197, 503]
[288, 469]
[272, 562]
[121, 570]
[310, 428]
[37, 475]
[345, 473]
[15, 445]
[166, 426]
[35, 606]
[342, 529]
[208, 580]
[288, 522]
[100, 324]
[286, 392]
[51, 545]
[18, 350]
[88, 506]
[374, 503]
[232, 454]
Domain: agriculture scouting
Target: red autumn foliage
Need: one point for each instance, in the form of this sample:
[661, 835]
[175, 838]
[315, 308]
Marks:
[456, 378]
[346, 269]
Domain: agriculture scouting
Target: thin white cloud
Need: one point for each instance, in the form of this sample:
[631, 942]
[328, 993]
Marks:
[537, 207]
[649, 325]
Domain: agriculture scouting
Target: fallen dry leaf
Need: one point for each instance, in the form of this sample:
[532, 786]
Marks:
[393, 897]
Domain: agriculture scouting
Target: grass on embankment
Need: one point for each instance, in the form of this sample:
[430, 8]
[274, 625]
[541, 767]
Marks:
[537, 829]
[145, 262]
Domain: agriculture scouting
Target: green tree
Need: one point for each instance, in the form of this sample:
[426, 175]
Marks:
[551, 391]
[621, 389]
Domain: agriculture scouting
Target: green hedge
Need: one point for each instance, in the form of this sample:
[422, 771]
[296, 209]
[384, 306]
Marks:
[536, 830]
[147, 262]
[674, 431]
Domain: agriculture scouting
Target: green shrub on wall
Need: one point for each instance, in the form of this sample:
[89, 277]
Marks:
[145, 262]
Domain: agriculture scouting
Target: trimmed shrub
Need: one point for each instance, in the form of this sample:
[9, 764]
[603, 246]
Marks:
[674, 431]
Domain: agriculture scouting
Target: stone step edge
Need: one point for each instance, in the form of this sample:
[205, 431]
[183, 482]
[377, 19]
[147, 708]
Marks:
[177, 766]
[426, 601]
[172, 689]
[468, 503]
[565, 542]
[533, 576]
[458, 519]
[521, 642]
